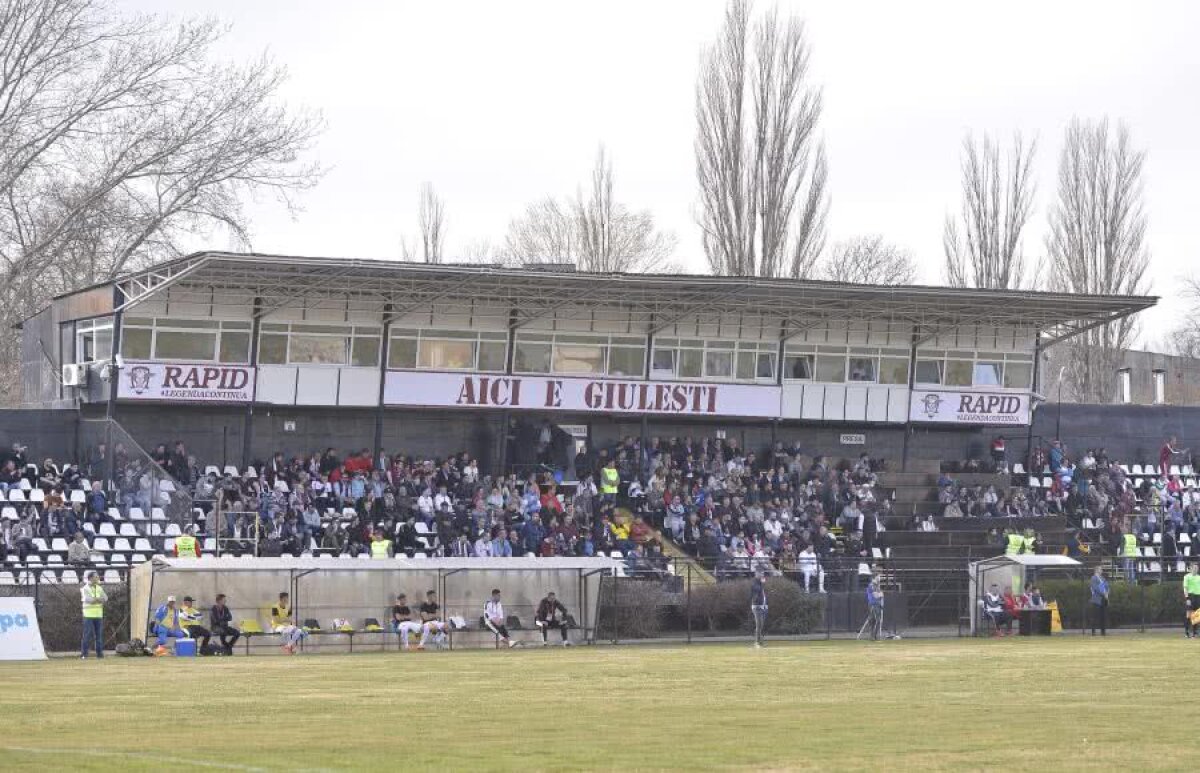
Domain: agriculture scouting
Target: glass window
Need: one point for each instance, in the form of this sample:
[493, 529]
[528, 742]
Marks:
[765, 367]
[491, 355]
[402, 353]
[441, 354]
[1160, 386]
[862, 369]
[959, 372]
[928, 372]
[831, 368]
[690, 363]
[135, 343]
[317, 350]
[272, 349]
[718, 364]
[86, 347]
[798, 367]
[235, 346]
[103, 343]
[530, 357]
[364, 352]
[185, 345]
[1126, 383]
[664, 362]
[746, 365]
[579, 358]
[1018, 375]
[626, 361]
[987, 373]
[893, 370]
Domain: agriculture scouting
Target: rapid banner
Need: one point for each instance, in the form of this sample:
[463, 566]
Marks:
[1004, 408]
[186, 382]
[472, 390]
[20, 638]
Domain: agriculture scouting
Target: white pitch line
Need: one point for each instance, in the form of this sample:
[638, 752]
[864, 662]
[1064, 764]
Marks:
[137, 756]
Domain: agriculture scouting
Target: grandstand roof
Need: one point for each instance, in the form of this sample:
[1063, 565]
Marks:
[393, 288]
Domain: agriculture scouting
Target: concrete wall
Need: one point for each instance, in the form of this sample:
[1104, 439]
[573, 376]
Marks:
[45, 432]
[215, 434]
[1130, 433]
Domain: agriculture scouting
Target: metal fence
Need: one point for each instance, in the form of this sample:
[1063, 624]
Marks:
[59, 607]
[163, 490]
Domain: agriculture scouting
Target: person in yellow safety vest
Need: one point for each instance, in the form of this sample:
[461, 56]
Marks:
[609, 480]
[381, 548]
[186, 546]
[93, 598]
[1029, 542]
[1014, 544]
[1129, 552]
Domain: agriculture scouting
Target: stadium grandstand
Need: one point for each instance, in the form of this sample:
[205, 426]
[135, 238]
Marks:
[686, 427]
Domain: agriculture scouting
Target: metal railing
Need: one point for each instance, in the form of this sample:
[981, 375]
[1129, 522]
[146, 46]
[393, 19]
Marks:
[125, 479]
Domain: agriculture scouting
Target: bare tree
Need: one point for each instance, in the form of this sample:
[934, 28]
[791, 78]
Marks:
[120, 140]
[868, 260]
[1096, 245]
[431, 218]
[983, 246]
[595, 232]
[1184, 339]
[761, 171]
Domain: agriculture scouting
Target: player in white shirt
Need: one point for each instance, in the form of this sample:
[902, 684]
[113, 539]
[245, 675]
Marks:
[493, 617]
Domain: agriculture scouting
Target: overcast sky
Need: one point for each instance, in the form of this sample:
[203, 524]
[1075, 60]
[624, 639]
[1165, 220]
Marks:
[498, 104]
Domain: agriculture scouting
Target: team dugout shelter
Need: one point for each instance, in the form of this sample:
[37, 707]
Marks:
[243, 355]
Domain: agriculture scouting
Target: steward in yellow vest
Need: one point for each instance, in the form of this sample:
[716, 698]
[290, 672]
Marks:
[186, 547]
[609, 479]
[381, 548]
[1015, 543]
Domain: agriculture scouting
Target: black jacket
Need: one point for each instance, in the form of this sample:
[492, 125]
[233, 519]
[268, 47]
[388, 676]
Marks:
[220, 617]
[546, 608]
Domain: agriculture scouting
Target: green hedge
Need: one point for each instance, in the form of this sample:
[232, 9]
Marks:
[641, 609]
[1128, 605]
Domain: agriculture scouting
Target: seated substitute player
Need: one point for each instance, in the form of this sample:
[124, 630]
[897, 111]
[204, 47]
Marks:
[552, 614]
[432, 625]
[402, 620]
[191, 619]
[494, 619]
[281, 623]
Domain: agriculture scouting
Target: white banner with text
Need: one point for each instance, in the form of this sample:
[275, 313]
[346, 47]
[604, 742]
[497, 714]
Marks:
[1006, 408]
[474, 390]
[186, 382]
[20, 638]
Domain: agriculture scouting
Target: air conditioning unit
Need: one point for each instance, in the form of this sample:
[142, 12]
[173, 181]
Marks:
[74, 375]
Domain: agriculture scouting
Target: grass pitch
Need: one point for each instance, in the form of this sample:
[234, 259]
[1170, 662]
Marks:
[1069, 702]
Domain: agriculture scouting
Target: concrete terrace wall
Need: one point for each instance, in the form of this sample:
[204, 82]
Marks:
[215, 434]
[46, 432]
[1130, 433]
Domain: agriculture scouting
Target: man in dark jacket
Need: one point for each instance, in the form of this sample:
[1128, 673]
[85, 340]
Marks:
[552, 614]
[221, 620]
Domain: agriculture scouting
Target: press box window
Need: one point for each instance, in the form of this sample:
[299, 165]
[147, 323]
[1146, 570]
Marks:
[928, 372]
[798, 367]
